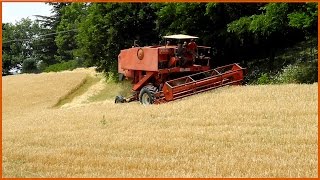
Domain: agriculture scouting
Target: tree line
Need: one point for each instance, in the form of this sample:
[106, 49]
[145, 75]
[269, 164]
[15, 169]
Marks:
[92, 34]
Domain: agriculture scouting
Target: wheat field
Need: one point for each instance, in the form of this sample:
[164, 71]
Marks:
[235, 131]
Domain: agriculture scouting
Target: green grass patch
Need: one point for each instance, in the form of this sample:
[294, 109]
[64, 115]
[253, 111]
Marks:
[113, 89]
[78, 91]
[292, 62]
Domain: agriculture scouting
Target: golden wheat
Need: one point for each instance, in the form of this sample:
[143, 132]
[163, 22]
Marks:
[239, 131]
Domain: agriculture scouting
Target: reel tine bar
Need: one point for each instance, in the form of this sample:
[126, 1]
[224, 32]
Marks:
[188, 85]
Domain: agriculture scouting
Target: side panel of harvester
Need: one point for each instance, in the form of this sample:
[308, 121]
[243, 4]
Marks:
[137, 58]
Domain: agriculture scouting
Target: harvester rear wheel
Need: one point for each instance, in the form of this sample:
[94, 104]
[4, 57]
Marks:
[147, 94]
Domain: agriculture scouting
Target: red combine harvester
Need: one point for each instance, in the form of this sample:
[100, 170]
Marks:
[165, 73]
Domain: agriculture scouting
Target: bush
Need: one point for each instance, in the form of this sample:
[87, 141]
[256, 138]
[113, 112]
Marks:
[68, 65]
[302, 72]
[308, 72]
[42, 66]
[111, 77]
[29, 66]
[264, 79]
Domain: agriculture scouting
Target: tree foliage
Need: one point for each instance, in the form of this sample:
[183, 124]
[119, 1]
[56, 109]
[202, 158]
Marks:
[305, 18]
[276, 18]
[92, 34]
[46, 48]
[18, 42]
[275, 26]
[110, 27]
[29, 66]
[71, 16]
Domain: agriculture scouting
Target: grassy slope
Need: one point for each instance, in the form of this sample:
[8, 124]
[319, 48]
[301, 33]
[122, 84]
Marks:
[299, 52]
[248, 131]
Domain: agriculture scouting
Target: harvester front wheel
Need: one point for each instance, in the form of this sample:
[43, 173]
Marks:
[119, 99]
[147, 95]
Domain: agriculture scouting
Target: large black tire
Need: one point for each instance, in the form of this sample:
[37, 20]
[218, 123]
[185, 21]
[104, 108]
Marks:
[147, 94]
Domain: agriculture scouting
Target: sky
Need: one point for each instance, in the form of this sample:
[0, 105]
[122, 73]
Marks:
[15, 11]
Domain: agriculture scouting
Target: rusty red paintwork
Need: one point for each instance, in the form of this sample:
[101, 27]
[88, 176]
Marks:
[156, 64]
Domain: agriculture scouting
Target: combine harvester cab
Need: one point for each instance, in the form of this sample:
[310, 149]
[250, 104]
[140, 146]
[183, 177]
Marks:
[165, 73]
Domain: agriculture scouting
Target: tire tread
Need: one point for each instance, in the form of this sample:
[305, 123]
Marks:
[152, 89]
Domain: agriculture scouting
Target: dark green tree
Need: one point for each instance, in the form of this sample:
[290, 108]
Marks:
[18, 42]
[305, 18]
[269, 30]
[110, 27]
[7, 52]
[45, 46]
[71, 16]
